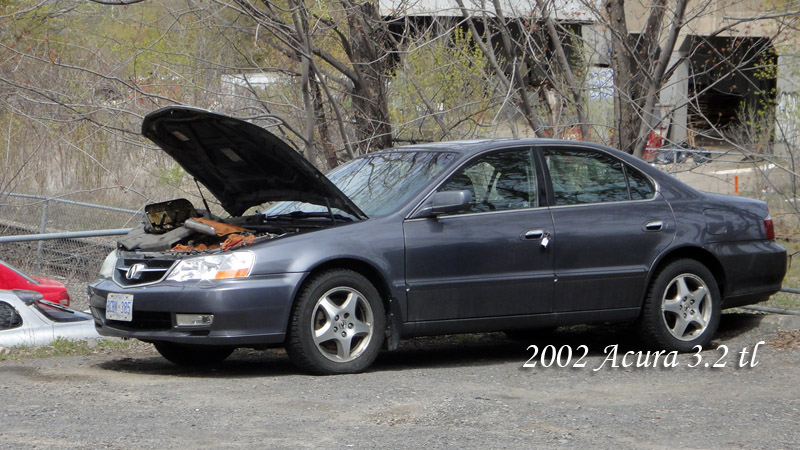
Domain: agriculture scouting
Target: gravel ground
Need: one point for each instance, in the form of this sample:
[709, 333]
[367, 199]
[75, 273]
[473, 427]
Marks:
[447, 392]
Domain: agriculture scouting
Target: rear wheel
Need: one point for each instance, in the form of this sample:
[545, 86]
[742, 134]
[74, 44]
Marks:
[337, 324]
[682, 307]
[192, 355]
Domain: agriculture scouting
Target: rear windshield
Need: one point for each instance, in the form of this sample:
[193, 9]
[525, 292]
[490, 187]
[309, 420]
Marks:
[15, 270]
[58, 313]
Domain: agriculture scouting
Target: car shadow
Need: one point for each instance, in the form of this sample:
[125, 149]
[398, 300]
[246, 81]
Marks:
[243, 363]
[497, 348]
[461, 350]
[734, 324]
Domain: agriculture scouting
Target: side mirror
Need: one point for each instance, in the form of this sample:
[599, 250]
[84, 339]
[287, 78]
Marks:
[444, 202]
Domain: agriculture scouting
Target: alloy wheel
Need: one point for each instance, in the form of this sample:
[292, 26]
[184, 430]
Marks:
[686, 307]
[342, 324]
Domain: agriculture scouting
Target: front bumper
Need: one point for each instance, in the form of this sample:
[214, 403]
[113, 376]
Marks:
[253, 311]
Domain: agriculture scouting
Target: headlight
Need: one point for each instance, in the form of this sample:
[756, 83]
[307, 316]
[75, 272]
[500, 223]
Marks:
[107, 269]
[213, 267]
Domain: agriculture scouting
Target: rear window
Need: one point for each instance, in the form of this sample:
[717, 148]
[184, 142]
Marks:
[641, 187]
[9, 318]
[58, 313]
[586, 176]
[15, 270]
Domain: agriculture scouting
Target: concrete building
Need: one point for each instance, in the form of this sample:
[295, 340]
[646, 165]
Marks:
[723, 59]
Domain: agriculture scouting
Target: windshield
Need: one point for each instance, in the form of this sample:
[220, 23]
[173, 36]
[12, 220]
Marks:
[379, 184]
[15, 270]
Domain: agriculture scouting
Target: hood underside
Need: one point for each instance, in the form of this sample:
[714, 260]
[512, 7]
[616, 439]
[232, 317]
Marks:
[241, 164]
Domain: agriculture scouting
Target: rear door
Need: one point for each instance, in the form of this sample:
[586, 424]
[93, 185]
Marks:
[610, 225]
[489, 261]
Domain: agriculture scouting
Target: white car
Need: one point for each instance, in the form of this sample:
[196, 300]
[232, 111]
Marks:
[27, 319]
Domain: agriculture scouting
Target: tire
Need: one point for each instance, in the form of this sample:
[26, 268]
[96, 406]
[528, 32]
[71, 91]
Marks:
[337, 324]
[682, 307]
[192, 355]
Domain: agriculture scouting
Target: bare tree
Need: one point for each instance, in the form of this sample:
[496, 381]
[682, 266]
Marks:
[353, 55]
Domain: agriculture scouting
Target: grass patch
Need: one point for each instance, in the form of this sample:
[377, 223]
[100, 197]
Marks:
[785, 300]
[64, 347]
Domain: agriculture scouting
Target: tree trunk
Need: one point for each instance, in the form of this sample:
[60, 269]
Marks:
[639, 67]
[370, 61]
[324, 132]
[626, 123]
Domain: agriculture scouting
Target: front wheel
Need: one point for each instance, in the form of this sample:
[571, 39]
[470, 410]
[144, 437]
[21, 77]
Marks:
[192, 355]
[682, 307]
[337, 324]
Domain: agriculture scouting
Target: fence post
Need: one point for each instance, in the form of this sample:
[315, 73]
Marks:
[40, 244]
[675, 163]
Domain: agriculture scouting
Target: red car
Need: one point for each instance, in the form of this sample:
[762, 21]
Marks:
[52, 290]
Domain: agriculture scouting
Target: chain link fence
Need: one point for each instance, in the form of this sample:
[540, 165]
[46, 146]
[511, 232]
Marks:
[71, 261]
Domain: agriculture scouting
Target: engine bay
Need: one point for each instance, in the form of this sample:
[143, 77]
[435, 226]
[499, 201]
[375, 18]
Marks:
[176, 227]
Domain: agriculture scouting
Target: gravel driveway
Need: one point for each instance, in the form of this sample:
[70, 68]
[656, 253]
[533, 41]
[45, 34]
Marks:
[447, 392]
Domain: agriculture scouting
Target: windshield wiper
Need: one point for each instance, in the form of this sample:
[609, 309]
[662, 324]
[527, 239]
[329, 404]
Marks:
[296, 215]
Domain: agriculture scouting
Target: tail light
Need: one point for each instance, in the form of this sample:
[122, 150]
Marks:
[769, 227]
[63, 299]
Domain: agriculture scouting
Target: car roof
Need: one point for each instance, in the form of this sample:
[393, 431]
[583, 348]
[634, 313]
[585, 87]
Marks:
[469, 147]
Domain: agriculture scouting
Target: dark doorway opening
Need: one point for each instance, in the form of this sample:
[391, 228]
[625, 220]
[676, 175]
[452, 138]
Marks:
[729, 76]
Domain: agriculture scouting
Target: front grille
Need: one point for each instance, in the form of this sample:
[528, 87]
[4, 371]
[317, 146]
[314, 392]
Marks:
[146, 270]
[142, 320]
[155, 263]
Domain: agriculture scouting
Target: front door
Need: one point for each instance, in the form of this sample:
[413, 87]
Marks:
[492, 260]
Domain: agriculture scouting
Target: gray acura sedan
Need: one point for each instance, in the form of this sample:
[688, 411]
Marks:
[451, 237]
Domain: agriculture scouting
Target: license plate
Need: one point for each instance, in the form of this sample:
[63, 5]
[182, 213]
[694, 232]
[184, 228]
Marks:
[119, 307]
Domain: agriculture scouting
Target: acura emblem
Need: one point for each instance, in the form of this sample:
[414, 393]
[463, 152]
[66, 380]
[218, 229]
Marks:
[135, 271]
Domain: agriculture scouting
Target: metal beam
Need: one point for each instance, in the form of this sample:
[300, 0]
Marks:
[69, 202]
[65, 235]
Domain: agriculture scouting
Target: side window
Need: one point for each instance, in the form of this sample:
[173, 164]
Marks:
[498, 181]
[585, 176]
[9, 317]
[641, 187]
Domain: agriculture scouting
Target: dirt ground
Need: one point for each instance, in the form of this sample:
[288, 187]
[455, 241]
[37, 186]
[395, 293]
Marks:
[448, 392]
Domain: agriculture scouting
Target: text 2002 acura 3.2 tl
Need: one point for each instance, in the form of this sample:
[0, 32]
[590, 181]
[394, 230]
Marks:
[428, 239]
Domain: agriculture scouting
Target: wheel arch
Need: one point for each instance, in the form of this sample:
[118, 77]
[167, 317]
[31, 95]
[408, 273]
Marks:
[364, 268]
[377, 279]
[696, 253]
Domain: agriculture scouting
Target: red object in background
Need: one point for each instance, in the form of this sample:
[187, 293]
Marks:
[51, 290]
[572, 134]
[654, 142]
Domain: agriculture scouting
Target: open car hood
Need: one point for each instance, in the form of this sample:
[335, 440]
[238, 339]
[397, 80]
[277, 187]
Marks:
[241, 164]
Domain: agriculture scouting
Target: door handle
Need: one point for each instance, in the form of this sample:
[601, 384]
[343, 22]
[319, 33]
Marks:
[532, 235]
[655, 225]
